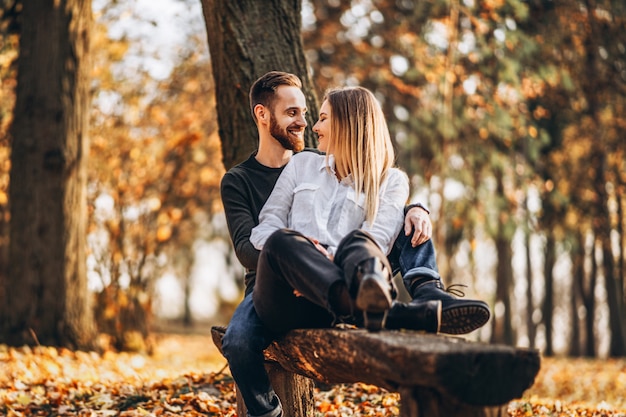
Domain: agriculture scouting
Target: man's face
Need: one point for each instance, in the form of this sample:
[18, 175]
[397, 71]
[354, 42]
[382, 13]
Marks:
[287, 118]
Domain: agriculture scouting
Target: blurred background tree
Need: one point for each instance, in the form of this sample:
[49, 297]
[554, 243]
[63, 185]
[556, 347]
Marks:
[43, 295]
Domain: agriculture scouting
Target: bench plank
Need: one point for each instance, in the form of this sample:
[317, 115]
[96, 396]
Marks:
[461, 372]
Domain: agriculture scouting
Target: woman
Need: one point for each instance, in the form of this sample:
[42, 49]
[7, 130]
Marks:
[330, 221]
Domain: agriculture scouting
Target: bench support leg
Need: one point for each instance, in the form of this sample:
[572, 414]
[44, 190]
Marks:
[425, 402]
[295, 392]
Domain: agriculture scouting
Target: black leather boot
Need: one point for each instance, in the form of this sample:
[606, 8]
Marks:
[374, 293]
[457, 316]
[416, 315]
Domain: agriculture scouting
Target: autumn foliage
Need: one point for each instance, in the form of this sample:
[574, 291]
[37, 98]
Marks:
[155, 174]
[187, 376]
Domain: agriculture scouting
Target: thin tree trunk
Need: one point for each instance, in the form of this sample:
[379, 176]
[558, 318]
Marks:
[503, 327]
[48, 299]
[616, 319]
[590, 304]
[186, 269]
[246, 39]
[530, 305]
[620, 257]
[548, 302]
[578, 277]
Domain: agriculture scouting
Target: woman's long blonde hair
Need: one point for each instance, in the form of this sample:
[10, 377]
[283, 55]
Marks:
[360, 141]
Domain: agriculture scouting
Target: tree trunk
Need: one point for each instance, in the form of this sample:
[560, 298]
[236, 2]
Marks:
[621, 273]
[578, 279]
[503, 329]
[503, 326]
[248, 38]
[548, 302]
[48, 299]
[602, 229]
[590, 304]
[616, 313]
[530, 304]
[295, 391]
[611, 282]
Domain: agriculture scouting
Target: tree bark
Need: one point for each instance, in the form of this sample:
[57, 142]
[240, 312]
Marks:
[602, 226]
[589, 299]
[621, 272]
[248, 38]
[578, 278]
[530, 303]
[548, 301]
[503, 326]
[295, 392]
[47, 299]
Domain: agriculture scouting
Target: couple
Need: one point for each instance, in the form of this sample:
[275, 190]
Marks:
[321, 249]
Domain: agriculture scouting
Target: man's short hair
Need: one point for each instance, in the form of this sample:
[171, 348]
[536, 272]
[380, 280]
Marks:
[263, 91]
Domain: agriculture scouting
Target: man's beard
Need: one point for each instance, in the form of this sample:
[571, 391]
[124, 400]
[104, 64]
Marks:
[283, 137]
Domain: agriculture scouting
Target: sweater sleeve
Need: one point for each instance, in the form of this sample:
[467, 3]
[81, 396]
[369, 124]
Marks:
[240, 219]
[276, 211]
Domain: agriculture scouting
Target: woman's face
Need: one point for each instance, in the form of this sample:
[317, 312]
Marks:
[322, 128]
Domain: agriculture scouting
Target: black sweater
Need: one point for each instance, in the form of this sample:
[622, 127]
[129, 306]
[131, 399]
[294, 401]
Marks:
[245, 188]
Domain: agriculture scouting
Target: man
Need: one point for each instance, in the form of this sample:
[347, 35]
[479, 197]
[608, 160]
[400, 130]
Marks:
[278, 107]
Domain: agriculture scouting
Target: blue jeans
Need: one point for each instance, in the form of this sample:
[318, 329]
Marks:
[413, 262]
[243, 344]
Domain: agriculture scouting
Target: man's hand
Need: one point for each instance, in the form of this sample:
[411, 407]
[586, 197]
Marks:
[418, 222]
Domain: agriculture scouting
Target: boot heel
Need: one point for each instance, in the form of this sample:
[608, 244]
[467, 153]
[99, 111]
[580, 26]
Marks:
[374, 322]
[375, 301]
[372, 296]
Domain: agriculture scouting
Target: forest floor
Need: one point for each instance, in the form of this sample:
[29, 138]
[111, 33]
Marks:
[186, 376]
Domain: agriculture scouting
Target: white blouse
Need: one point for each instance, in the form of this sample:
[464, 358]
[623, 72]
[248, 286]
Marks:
[308, 198]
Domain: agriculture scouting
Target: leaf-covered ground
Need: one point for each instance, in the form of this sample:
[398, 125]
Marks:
[186, 376]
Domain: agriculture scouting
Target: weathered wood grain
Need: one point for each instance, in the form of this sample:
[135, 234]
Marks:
[462, 373]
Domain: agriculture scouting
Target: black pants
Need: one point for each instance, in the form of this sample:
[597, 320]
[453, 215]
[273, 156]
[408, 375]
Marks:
[289, 261]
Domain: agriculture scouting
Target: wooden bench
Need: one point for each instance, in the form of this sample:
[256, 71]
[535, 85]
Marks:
[435, 375]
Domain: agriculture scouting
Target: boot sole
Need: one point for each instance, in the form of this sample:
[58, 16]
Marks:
[463, 319]
[374, 301]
